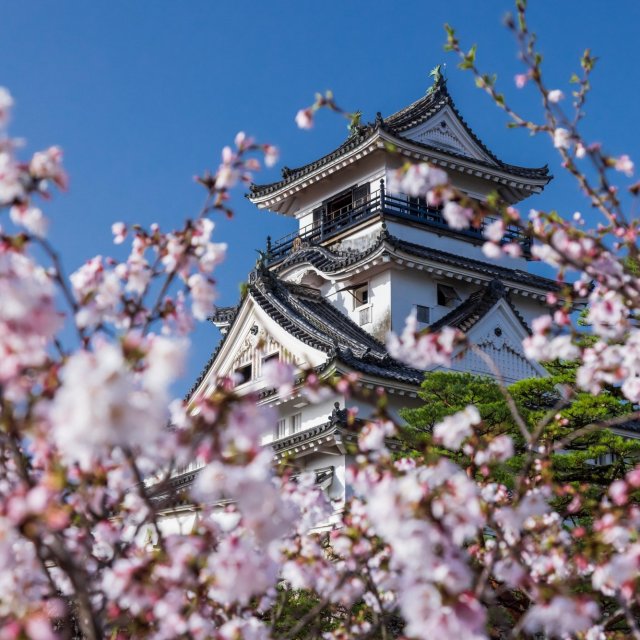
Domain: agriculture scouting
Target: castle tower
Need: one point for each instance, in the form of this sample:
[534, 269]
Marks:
[361, 260]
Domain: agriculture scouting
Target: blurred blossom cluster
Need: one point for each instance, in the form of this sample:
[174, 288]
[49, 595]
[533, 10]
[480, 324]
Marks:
[427, 543]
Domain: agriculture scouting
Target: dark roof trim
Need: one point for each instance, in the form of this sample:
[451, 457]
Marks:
[327, 261]
[396, 124]
[468, 313]
[307, 316]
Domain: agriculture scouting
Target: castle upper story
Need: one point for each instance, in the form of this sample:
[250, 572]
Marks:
[338, 198]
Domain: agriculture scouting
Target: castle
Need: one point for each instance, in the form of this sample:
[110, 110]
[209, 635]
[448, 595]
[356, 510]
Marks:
[363, 259]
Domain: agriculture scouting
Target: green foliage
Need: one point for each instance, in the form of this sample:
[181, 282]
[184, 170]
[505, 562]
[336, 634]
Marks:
[553, 399]
[292, 606]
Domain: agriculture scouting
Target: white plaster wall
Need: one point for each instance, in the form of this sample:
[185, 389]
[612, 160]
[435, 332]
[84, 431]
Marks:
[335, 459]
[396, 403]
[410, 287]
[529, 308]
[312, 414]
[370, 169]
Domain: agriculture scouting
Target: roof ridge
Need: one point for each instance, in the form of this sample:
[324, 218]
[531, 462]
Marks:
[498, 271]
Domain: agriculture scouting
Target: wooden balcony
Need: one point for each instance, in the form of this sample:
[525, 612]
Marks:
[379, 204]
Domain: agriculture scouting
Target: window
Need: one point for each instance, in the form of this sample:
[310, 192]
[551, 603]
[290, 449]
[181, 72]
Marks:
[361, 296]
[360, 195]
[346, 201]
[296, 423]
[317, 217]
[364, 316]
[281, 428]
[272, 357]
[339, 205]
[447, 295]
[423, 314]
[243, 374]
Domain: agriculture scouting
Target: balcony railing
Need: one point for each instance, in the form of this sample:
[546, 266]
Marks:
[332, 223]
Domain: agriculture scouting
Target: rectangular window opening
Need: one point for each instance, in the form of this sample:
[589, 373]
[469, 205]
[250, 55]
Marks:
[296, 422]
[361, 296]
[243, 374]
[447, 295]
[364, 316]
[423, 314]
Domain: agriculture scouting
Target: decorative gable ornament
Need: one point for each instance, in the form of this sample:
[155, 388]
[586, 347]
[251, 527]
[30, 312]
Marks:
[445, 131]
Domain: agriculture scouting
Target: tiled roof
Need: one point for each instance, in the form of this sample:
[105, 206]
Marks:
[309, 317]
[175, 492]
[427, 106]
[487, 268]
[396, 124]
[290, 175]
[328, 261]
[475, 307]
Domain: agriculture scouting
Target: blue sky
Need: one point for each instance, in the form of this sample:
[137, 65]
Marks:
[143, 95]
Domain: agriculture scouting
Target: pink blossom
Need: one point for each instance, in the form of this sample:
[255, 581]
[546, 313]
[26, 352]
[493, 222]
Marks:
[624, 165]
[304, 118]
[28, 317]
[279, 374]
[607, 313]
[373, 435]
[47, 165]
[101, 404]
[31, 218]
[417, 180]
[521, 79]
[98, 292]
[457, 217]
[39, 628]
[555, 95]
[454, 429]
[561, 138]
[492, 250]
[203, 295]
[245, 628]
[561, 617]
[512, 249]
[119, 230]
[618, 490]
[11, 187]
[499, 450]
[6, 102]
[494, 231]
[423, 350]
[271, 155]
[619, 573]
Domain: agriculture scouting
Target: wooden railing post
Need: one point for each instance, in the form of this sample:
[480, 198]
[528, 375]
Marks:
[382, 194]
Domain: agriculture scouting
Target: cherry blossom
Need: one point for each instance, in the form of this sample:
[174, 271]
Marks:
[423, 350]
[561, 138]
[6, 103]
[555, 95]
[624, 165]
[453, 430]
[304, 119]
[521, 80]
[457, 216]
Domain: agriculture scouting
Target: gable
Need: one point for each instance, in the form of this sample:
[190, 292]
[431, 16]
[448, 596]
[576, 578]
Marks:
[252, 337]
[499, 335]
[445, 131]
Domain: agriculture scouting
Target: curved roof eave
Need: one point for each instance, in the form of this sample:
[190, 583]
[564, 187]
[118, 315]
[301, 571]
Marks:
[394, 125]
[531, 180]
